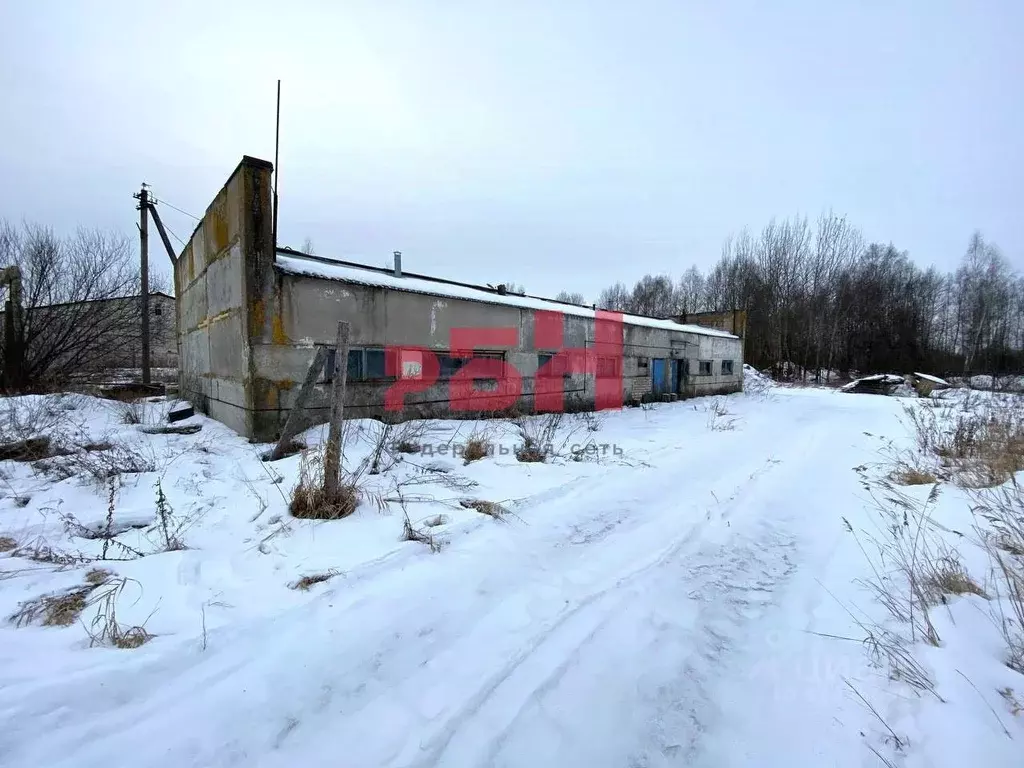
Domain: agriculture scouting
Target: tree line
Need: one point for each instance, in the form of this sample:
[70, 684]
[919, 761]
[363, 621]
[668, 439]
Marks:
[820, 298]
[79, 306]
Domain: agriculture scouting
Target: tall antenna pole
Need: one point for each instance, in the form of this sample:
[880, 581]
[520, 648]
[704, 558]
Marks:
[277, 170]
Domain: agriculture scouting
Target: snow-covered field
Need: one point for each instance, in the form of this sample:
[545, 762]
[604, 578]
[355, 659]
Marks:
[692, 591]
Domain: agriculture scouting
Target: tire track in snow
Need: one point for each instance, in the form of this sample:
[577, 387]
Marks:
[726, 586]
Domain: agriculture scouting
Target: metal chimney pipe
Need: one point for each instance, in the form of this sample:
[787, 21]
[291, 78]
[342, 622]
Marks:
[398, 263]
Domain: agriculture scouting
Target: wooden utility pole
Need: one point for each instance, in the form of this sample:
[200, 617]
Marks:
[143, 198]
[332, 455]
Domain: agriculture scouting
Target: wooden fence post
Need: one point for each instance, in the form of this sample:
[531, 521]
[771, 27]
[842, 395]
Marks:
[291, 426]
[332, 455]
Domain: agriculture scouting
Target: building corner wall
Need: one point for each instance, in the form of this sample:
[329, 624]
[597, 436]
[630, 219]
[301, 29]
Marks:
[217, 276]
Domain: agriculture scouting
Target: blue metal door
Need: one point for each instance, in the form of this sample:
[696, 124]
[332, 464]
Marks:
[658, 375]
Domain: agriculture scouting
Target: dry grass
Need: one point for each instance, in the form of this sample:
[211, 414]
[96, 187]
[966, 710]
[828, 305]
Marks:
[98, 576]
[406, 446]
[906, 475]
[315, 503]
[308, 581]
[946, 576]
[980, 442]
[540, 436]
[105, 629]
[7, 544]
[311, 500]
[528, 452]
[476, 448]
[54, 610]
[489, 508]
[924, 388]
[1011, 570]
[1014, 704]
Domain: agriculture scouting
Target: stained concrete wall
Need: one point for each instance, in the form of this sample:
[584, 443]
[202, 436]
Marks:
[248, 331]
[215, 292]
[306, 311]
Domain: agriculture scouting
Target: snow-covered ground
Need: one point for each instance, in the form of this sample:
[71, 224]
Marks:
[692, 591]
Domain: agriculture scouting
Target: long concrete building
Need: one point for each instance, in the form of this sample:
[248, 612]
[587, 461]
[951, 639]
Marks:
[252, 315]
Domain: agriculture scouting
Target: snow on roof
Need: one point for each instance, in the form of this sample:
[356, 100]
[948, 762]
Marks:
[883, 378]
[296, 264]
[933, 379]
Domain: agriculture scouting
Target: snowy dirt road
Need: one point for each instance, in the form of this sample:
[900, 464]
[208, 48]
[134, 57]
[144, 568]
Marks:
[663, 613]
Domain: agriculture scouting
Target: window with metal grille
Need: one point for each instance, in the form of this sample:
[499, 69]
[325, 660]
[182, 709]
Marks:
[704, 368]
[727, 367]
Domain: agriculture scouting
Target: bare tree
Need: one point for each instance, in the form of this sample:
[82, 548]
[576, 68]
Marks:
[80, 305]
[307, 246]
[570, 297]
[817, 296]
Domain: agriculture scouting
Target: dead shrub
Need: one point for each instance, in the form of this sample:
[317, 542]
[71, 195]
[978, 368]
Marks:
[408, 436]
[489, 508]
[101, 462]
[528, 452]
[7, 544]
[41, 552]
[34, 416]
[411, 533]
[54, 610]
[132, 411]
[720, 419]
[312, 579]
[310, 499]
[540, 436]
[101, 445]
[476, 448]
[30, 449]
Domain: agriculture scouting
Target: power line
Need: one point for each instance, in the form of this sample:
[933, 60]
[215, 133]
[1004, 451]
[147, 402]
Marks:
[164, 202]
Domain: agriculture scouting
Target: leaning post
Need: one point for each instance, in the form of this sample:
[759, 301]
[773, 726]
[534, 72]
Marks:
[332, 455]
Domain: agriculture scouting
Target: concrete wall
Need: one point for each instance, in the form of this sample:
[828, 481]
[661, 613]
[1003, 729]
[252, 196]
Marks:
[247, 331]
[306, 311]
[216, 294]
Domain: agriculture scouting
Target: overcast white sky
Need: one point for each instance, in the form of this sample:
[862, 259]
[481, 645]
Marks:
[560, 144]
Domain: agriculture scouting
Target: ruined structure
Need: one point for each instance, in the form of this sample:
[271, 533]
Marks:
[251, 316]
